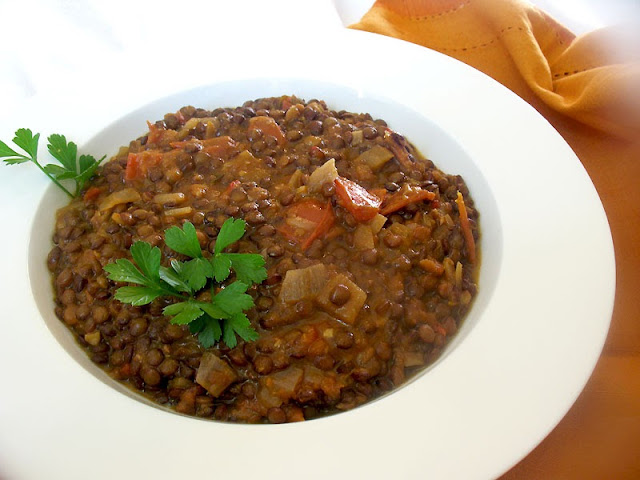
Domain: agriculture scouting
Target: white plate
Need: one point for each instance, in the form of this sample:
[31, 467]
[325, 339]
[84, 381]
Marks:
[521, 359]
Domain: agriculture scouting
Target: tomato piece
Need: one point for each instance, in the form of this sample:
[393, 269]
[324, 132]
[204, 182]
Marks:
[180, 116]
[91, 194]
[159, 135]
[286, 103]
[358, 201]
[268, 126]
[381, 193]
[155, 133]
[307, 220]
[325, 224]
[139, 163]
[406, 195]
[316, 152]
[223, 146]
[301, 219]
[232, 186]
[219, 146]
[439, 329]
[133, 165]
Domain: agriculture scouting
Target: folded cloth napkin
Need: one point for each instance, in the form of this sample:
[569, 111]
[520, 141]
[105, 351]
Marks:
[593, 79]
[588, 88]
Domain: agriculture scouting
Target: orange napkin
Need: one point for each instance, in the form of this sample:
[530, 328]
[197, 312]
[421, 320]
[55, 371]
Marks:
[588, 88]
[593, 79]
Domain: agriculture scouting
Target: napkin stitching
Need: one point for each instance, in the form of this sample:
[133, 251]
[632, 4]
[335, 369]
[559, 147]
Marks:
[557, 33]
[567, 74]
[441, 14]
[481, 45]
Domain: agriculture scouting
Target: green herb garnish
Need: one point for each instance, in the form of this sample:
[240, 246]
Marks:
[221, 317]
[79, 170]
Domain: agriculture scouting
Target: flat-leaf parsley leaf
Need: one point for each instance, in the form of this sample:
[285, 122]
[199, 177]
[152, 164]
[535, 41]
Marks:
[247, 266]
[222, 317]
[79, 170]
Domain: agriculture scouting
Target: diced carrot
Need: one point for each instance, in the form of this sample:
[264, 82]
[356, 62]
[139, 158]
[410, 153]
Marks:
[405, 196]
[267, 126]
[139, 163]
[469, 241]
[91, 194]
[357, 200]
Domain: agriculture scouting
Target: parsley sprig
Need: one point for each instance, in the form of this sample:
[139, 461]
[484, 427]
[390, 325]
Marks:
[223, 316]
[79, 170]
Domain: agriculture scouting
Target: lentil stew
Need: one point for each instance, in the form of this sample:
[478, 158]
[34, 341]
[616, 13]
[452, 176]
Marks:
[370, 251]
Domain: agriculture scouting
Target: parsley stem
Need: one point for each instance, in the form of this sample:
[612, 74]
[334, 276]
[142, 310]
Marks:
[170, 293]
[52, 179]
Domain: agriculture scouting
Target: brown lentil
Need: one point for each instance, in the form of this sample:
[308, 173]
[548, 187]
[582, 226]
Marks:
[340, 295]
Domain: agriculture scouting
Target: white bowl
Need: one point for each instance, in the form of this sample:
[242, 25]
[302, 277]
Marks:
[520, 360]
[430, 139]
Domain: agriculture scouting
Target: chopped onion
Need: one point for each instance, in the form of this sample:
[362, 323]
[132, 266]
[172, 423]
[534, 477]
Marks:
[458, 275]
[377, 223]
[215, 374]
[280, 386]
[164, 198]
[357, 137]
[121, 196]
[198, 190]
[375, 157]
[284, 383]
[363, 237]
[296, 179]
[326, 173]
[179, 212]
[188, 126]
[449, 269]
[348, 311]
[413, 359]
[92, 338]
[303, 283]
